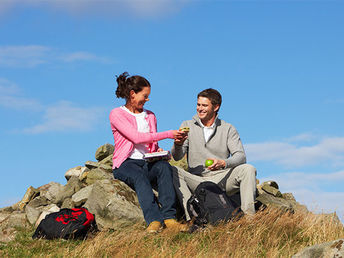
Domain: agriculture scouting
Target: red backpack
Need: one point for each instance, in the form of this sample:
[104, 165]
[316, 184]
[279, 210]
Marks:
[67, 224]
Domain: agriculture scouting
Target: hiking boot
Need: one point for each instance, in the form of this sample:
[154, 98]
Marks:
[175, 225]
[154, 227]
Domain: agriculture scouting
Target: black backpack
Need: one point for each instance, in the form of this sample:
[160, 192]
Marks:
[211, 205]
[67, 224]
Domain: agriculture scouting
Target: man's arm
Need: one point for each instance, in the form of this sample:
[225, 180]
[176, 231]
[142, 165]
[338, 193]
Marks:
[236, 149]
[180, 147]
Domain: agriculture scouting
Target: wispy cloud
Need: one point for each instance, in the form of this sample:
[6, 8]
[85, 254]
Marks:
[304, 137]
[110, 8]
[62, 116]
[23, 56]
[334, 101]
[34, 55]
[293, 181]
[12, 97]
[83, 56]
[66, 116]
[295, 154]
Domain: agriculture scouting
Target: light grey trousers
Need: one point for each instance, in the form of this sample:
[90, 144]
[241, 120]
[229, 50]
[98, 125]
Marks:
[242, 177]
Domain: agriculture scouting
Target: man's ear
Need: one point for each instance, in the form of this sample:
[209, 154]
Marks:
[216, 108]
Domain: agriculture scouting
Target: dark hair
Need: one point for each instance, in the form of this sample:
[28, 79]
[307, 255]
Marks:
[213, 95]
[127, 83]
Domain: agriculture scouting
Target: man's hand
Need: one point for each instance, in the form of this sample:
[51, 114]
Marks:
[180, 137]
[218, 164]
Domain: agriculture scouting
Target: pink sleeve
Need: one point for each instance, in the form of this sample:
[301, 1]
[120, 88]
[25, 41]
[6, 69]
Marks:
[122, 125]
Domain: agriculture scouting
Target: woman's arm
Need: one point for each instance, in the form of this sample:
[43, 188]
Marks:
[123, 125]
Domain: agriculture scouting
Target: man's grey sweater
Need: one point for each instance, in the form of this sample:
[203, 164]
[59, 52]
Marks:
[223, 144]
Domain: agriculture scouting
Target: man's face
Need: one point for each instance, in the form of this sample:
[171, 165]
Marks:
[205, 110]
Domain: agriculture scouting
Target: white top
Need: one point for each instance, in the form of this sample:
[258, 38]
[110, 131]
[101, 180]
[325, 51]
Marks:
[143, 127]
[208, 131]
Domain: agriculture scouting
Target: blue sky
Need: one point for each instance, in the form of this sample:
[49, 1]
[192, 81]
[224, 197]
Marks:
[278, 64]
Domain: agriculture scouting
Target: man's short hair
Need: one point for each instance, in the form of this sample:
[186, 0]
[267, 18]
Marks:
[213, 95]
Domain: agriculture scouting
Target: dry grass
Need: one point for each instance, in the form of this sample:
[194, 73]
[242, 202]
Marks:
[268, 234]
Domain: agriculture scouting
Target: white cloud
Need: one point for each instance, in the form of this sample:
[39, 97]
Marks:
[83, 56]
[34, 55]
[62, 116]
[304, 137]
[110, 8]
[10, 97]
[292, 181]
[66, 116]
[23, 56]
[328, 149]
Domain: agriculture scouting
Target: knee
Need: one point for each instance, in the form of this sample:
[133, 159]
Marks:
[163, 167]
[250, 170]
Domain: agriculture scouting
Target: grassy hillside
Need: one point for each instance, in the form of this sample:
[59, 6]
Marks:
[268, 234]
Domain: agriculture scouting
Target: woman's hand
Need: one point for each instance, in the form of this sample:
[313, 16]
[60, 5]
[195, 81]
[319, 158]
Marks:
[179, 136]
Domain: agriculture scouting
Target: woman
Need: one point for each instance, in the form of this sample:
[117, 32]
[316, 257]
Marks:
[135, 133]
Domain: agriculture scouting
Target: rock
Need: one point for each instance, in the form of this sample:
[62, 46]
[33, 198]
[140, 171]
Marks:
[4, 216]
[51, 190]
[113, 203]
[16, 219]
[7, 235]
[39, 201]
[83, 176]
[93, 165]
[67, 203]
[271, 183]
[104, 151]
[77, 171]
[97, 174]
[46, 210]
[31, 193]
[80, 197]
[271, 190]
[73, 185]
[288, 196]
[330, 249]
[276, 202]
[7, 209]
[32, 214]
[8, 223]
[107, 161]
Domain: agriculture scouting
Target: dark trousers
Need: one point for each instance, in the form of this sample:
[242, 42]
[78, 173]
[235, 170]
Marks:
[140, 175]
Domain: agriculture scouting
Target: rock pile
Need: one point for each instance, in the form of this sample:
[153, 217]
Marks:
[269, 195]
[91, 186]
[112, 202]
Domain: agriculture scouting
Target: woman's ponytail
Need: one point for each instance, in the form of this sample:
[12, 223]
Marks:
[121, 91]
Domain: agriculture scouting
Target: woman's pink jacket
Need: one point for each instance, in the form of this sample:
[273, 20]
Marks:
[124, 130]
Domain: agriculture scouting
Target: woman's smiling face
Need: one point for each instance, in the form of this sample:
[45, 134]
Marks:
[138, 100]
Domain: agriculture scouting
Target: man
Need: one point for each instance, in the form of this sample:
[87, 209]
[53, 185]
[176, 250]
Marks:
[212, 138]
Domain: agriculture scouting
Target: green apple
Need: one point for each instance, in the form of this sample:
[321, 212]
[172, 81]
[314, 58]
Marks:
[209, 162]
